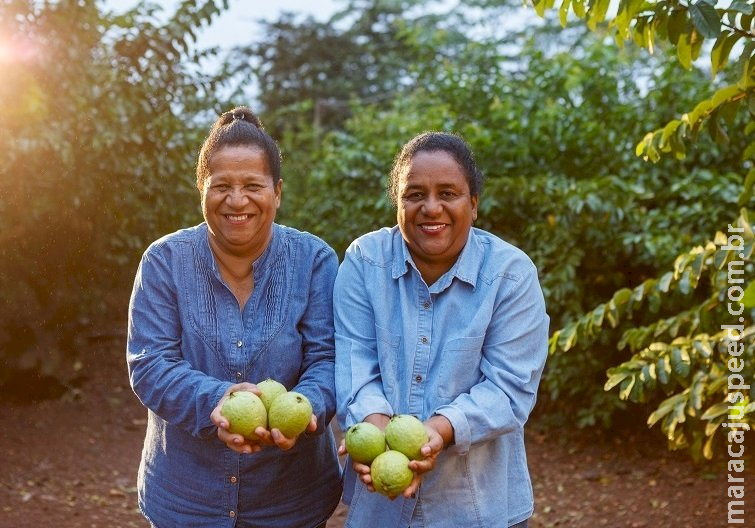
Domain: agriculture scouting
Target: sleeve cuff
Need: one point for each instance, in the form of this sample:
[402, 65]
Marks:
[462, 434]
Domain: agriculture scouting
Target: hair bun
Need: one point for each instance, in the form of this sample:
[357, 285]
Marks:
[242, 113]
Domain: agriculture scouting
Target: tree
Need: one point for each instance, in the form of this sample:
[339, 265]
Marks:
[100, 117]
[682, 363]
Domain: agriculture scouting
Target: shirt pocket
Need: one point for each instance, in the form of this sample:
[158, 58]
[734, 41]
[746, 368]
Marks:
[459, 368]
[387, 350]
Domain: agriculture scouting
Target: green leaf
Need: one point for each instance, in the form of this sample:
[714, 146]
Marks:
[703, 347]
[615, 379]
[684, 51]
[680, 363]
[677, 24]
[664, 282]
[626, 387]
[664, 408]
[563, 12]
[662, 370]
[715, 410]
[741, 6]
[597, 13]
[748, 299]
[723, 95]
[705, 18]
[719, 55]
[568, 337]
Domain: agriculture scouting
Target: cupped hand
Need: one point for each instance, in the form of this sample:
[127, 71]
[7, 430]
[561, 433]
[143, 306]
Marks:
[234, 441]
[276, 438]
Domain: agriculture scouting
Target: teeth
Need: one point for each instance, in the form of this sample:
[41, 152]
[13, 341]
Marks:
[237, 218]
[433, 227]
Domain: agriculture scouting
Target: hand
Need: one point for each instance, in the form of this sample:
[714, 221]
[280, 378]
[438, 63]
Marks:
[439, 434]
[235, 441]
[275, 437]
[363, 470]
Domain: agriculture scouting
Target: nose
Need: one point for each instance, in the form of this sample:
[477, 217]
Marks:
[237, 197]
[431, 205]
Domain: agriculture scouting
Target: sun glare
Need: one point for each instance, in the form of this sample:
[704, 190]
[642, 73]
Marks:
[5, 51]
[15, 52]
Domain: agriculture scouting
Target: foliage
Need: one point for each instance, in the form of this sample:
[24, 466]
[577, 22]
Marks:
[98, 128]
[684, 357]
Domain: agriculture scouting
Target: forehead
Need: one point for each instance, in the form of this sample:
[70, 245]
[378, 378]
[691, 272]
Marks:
[436, 168]
[238, 161]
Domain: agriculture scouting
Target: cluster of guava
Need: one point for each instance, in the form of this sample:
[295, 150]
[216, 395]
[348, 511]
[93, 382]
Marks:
[388, 453]
[275, 408]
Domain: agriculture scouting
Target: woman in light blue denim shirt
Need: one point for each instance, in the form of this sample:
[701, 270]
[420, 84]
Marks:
[217, 308]
[441, 320]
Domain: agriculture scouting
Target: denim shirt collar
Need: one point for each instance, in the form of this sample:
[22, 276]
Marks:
[465, 268]
[258, 265]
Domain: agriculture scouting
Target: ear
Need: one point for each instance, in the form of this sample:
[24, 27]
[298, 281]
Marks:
[474, 207]
[278, 193]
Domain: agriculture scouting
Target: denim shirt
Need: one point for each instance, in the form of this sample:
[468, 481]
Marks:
[471, 347]
[188, 341]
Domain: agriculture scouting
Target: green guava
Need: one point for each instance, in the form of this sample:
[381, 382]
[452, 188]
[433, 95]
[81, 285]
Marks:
[290, 413]
[407, 434]
[364, 441]
[390, 473]
[270, 390]
[245, 412]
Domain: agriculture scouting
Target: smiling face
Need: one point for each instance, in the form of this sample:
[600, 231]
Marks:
[239, 201]
[435, 211]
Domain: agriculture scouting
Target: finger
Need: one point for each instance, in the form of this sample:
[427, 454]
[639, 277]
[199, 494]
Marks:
[411, 490]
[362, 469]
[312, 426]
[264, 436]
[422, 466]
[283, 442]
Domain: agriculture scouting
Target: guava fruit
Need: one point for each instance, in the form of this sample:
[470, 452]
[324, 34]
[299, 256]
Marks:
[406, 433]
[364, 441]
[270, 390]
[245, 412]
[390, 473]
[290, 413]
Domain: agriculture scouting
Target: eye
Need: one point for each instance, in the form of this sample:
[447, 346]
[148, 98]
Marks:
[221, 187]
[253, 187]
[413, 196]
[448, 194]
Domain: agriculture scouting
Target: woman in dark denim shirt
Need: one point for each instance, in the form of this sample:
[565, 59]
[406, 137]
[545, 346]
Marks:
[217, 308]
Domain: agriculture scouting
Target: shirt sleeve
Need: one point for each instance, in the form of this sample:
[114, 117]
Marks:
[513, 357]
[359, 385]
[317, 381]
[161, 378]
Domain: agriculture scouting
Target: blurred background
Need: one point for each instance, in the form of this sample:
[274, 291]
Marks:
[104, 105]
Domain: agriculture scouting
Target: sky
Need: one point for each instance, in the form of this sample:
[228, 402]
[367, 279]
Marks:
[232, 27]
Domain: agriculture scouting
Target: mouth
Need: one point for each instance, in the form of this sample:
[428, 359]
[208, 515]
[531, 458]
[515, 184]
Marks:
[234, 218]
[432, 228]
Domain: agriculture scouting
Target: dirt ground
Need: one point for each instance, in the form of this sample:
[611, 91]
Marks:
[72, 461]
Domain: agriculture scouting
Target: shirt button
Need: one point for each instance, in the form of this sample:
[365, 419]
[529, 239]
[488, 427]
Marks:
[418, 379]
[239, 343]
[238, 375]
[424, 340]
[233, 480]
[232, 513]
[426, 305]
